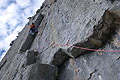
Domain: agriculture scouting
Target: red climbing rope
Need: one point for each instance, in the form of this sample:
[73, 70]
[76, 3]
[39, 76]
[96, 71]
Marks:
[67, 44]
[88, 48]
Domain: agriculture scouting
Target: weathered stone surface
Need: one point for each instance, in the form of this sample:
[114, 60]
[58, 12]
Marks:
[12, 57]
[30, 58]
[60, 58]
[102, 35]
[2, 64]
[68, 22]
[28, 42]
[38, 19]
[76, 52]
[42, 72]
[37, 71]
[87, 67]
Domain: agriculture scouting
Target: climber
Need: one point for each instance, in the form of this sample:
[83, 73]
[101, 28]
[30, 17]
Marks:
[33, 29]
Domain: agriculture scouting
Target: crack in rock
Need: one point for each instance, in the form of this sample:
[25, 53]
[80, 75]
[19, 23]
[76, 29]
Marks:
[118, 58]
[92, 73]
[3, 64]
[103, 33]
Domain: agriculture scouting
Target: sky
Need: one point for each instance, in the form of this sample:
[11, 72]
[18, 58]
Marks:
[13, 17]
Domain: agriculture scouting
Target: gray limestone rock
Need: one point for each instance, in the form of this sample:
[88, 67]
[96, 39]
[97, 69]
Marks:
[76, 52]
[38, 19]
[30, 58]
[65, 22]
[42, 72]
[60, 58]
[28, 42]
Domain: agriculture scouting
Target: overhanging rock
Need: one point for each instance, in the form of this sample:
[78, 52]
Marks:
[102, 34]
[38, 20]
[60, 58]
[42, 72]
[30, 57]
[28, 42]
[76, 52]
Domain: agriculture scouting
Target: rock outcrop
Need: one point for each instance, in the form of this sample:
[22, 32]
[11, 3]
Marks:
[76, 40]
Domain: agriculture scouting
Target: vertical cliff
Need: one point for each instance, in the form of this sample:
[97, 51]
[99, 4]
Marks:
[76, 40]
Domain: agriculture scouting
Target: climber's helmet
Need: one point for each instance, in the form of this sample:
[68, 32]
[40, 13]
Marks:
[32, 23]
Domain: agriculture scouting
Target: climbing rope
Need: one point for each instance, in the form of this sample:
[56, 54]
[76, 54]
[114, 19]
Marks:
[54, 33]
[67, 44]
[87, 48]
[54, 41]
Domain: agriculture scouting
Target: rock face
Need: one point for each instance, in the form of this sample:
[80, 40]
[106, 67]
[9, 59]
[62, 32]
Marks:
[60, 58]
[42, 72]
[76, 40]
